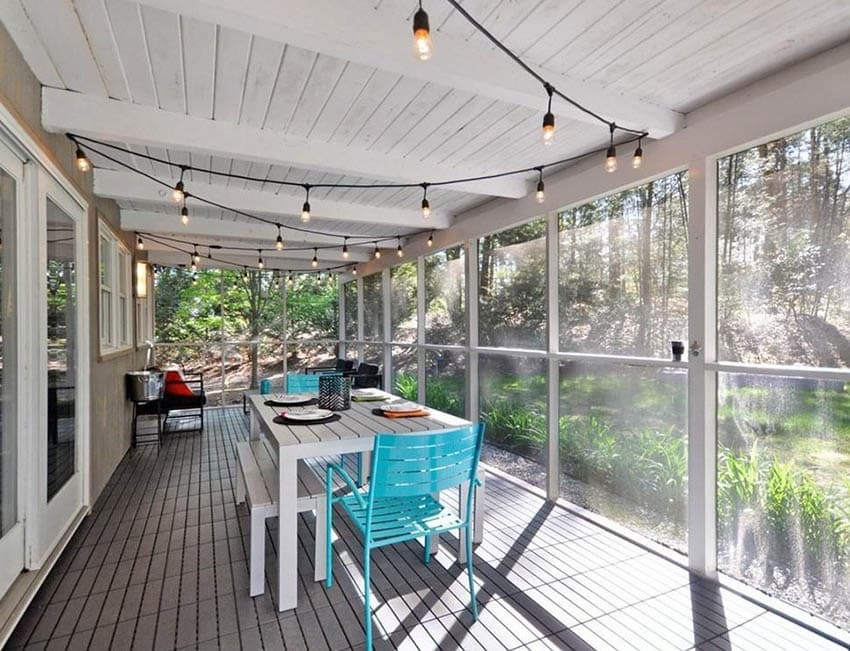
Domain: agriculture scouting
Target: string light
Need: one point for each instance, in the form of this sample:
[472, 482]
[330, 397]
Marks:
[315, 261]
[549, 118]
[184, 214]
[430, 239]
[399, 251]
[178, 194]
[140, 245]
[345, 249]
[426, 206]
[354, 271]
[83, 163]
[260, 262]
[305, 209]
[421, 34]
[196, 257]
[540, 195]
[193, 265]
[611, 153]
[289, 278]
[245, 275]
[377, 252]
[279, 243]
[637, 159]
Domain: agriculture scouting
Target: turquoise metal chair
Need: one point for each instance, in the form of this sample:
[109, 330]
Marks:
[309, 383]
[408, 471]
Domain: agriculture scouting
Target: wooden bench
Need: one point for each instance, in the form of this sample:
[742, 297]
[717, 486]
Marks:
[257, 484]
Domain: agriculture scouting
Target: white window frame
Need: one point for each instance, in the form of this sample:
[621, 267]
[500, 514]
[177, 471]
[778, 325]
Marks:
[116, 335]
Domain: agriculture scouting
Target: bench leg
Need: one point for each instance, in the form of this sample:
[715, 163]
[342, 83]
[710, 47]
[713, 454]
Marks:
[257, 561]
[240, 486]
[479, 500]
[320, 554]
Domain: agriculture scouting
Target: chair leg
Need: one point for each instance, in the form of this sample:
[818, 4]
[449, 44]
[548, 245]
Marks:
[257, 562]
[367, 608]
[473, 604]
[320, 556]
[359, 468]
[478, 514]
[427, 554]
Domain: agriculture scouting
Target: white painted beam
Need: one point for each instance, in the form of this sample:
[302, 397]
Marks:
[109, 119]
[382, 38]
[238, 233]
[326, 256]
[127, 185]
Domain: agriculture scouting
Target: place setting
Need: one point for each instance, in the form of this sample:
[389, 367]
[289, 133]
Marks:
[306, 415]
[290, 400]
[404, 409]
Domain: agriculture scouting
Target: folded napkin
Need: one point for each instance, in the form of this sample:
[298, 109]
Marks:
[372, 398]
[402, 414]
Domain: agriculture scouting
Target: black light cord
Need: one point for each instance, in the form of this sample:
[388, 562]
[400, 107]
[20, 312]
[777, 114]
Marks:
[546, 85]
[267, 249]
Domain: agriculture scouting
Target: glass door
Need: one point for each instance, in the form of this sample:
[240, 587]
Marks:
[11, 524]
[61, 453]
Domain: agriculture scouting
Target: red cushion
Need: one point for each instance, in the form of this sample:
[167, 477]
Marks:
[175, 386]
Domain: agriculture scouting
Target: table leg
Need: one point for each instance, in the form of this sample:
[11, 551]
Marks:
[287, 533]
[366, 466]
[254, 428]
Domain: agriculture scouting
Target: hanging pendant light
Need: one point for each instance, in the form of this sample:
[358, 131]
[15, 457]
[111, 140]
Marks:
[426, 205]
[260, 262]
[178, 193]
[540, 195]
[549, 118]
[431, 239]
[377, 252]
[184, 214]
[279, 242]
[315, 261]
[637, 159]
[421, 34]
[611, 153]
[345, 249]
[399, 251]
[140, 245]
[305, 209]
[83, 163]
[196, 257]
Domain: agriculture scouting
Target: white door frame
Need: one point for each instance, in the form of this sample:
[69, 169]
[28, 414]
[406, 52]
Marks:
[12, 543]
[48, 521]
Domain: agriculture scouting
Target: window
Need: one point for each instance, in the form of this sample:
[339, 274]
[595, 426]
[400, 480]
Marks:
[783, 435]
[403, 315]
[512, 287]
[445, 297]
[373, 308]
[116, 291]
[623, 271]
[349, 290]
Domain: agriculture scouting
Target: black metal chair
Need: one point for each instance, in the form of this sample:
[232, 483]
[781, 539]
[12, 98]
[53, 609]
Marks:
[344, 366]
[187, 406]
[368, 376]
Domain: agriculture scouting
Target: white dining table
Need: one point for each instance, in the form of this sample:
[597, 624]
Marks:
[355, 431]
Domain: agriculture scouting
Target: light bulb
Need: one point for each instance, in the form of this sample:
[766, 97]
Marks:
[540, 195]
[194, 265]
[421, 35]
[177, 194]
[305, 212]
[430, 240]
[611, 159]
[638, 157]
[196, 257]
[377, 252]
[548, 129]
[184, 215]
[260, 262]
[399, 251]
[426, 208]
[345, 250]
[315, 261]
[140, 245]
[354, 271]
[279, 243]
[83, 163]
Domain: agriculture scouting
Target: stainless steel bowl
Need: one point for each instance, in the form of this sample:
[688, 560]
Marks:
[144, 385]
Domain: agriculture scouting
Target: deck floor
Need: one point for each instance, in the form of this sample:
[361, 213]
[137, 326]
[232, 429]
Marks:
[161, 563]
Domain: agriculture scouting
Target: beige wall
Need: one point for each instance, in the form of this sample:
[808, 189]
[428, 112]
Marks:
[110, 436]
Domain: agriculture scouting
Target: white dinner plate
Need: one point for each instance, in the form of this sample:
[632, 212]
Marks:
[402, 406]
[290, 398]
[308, 414]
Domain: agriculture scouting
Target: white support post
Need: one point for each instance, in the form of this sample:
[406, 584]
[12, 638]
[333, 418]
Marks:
[553, 478]
[472, 407]
[702, 383]
[284, 292]
[386, 289]
[420, 330]
[341, 317]
[360, 312]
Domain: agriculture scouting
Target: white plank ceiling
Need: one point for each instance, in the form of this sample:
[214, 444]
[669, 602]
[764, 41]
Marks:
[317, 91]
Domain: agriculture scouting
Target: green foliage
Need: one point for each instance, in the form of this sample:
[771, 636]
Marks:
[407, 386]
